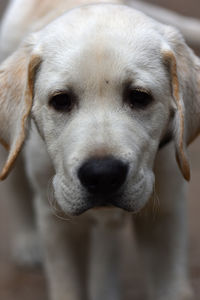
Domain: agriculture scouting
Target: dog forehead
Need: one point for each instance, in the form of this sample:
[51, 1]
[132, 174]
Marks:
[109, 43]
[90, 21]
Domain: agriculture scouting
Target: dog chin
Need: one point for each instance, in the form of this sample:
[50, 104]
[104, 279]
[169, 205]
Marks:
[89, 204]
[74, 202]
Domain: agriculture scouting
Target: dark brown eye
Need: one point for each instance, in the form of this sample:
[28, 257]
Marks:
[138, 99]
[62, 102]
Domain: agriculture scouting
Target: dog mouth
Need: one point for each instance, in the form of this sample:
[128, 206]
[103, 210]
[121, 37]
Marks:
[97, 204]
[75, 200]
[90, 203]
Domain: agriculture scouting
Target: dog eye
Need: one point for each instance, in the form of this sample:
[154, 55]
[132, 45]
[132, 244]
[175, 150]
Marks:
[138, 99]
[62, 102]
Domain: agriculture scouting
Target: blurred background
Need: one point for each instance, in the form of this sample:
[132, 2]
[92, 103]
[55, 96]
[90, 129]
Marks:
[22, 284]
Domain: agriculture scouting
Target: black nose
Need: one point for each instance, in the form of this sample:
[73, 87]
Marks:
[103, 176]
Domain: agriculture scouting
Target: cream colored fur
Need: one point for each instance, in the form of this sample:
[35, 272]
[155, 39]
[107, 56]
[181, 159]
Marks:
[95, 50]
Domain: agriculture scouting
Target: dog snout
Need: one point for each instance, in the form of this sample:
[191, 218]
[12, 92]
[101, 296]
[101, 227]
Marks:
[103, 176]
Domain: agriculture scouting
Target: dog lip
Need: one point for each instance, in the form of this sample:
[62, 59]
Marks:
[100, 205]
[108, 203]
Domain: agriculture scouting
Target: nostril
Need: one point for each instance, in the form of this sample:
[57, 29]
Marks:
[103, 175]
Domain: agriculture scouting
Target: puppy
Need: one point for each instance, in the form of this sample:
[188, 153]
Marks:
[108, 99]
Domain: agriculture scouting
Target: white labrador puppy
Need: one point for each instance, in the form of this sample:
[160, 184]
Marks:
[109, 97]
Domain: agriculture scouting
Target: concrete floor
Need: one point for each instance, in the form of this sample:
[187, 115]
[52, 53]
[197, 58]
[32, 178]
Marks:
[20, 284]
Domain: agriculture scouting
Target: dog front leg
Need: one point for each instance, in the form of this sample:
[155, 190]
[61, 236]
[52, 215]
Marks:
[16, 197]
[162, 234]
[104, 276]
[162, 245]
[61, 260]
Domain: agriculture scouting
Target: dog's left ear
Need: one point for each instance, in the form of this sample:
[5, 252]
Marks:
[184, 69]
[16, 95]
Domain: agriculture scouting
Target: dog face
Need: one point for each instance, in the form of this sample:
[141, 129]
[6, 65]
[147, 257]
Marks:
[100, 106]
[105, 95]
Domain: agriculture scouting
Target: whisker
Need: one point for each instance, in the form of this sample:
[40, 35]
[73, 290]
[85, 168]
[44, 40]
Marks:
[57, 212]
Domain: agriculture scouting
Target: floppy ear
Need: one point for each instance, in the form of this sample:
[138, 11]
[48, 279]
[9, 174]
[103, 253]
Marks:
[16, 94]
[184, 69]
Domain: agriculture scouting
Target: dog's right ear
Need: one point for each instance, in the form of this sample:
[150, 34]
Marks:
[16, 94]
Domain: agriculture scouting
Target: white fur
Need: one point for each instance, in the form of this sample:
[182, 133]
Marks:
[95, 50]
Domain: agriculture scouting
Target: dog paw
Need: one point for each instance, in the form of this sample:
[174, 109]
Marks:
[187, 295]
[186, 292]
[26, 250]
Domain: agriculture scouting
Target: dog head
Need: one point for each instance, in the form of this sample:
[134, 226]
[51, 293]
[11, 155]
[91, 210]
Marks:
[106, 86]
